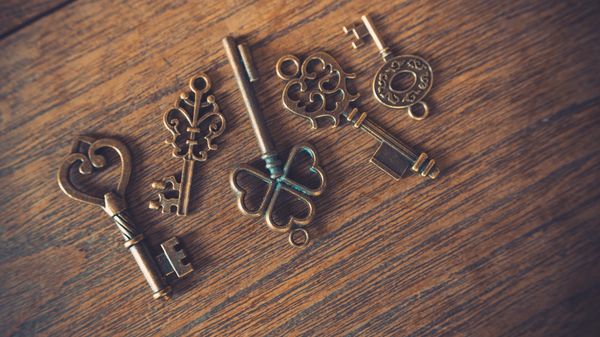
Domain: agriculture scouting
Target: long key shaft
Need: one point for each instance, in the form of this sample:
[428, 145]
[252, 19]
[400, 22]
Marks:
[243, 69]
[393, 156]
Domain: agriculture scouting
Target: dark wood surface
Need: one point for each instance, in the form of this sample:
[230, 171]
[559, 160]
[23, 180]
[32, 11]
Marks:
[505, 243]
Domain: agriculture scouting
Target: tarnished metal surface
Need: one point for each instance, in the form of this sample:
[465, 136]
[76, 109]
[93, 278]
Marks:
[194, 122]
[387, 87]
[317, 89]
[84, 162]
[277, 181]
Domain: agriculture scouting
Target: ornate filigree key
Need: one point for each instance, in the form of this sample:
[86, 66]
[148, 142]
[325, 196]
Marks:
[388, 86]
[195, 114]
[317, 88]
[171, 262]
[277, 181]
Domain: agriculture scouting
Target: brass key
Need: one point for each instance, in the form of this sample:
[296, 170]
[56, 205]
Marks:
[317, 88]
[277, 180]
[195, 120]
[171, 262]
[386, 88]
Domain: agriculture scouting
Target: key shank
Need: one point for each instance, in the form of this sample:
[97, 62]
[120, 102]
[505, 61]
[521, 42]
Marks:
[244, 71]
[393, 156]
[134, 242]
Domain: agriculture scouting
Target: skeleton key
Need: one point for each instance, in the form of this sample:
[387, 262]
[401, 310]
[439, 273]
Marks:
[185, 122]
[387, 88]
[278, 181]
[317, 88]
[171, 262]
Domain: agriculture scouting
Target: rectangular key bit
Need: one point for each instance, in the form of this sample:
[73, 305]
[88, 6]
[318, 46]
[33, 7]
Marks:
[390, 161]
[171, 260]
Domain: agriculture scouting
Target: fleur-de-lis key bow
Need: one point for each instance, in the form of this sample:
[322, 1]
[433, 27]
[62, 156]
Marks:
[278, 183]
[194, 122]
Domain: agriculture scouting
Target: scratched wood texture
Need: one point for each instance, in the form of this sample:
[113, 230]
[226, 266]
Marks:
[505, 243]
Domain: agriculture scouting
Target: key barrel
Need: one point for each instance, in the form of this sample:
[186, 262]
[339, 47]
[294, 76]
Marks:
[134, 242]
[240, 60]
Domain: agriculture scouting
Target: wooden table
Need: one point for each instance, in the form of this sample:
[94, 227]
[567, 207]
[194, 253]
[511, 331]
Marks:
[505, 242]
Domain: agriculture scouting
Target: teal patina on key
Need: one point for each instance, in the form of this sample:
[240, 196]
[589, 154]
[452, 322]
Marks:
[278, 181]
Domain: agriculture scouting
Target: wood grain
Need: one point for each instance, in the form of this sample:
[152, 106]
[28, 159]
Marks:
[505, 243]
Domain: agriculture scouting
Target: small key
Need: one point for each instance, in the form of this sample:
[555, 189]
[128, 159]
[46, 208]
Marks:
[277, 181]
[317, 88]
[172, 262]
[387, 86]
[193, 121]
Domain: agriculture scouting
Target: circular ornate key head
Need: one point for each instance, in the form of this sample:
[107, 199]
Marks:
[316, 88]
[403, 81]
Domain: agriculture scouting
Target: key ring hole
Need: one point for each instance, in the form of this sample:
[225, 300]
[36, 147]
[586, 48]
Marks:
[287, 67]
[299, 237]
[419, 114]
[200, 83]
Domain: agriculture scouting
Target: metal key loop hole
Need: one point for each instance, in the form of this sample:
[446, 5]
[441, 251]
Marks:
[287, 67]
[420, 113]
[298, 237]
[403, 81]
[200, 83]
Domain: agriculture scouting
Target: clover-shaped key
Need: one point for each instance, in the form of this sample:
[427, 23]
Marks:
[388, 85]
[317, 89]
[278, 180]
[194, 122]
[156, 270]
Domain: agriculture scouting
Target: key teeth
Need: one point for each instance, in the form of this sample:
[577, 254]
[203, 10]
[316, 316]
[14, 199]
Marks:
[358, 31]
[164, 204]
[175, 255]
[425, 166]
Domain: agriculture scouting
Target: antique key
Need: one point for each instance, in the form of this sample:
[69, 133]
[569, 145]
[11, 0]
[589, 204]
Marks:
[317, 88]
[387, 85]
[172, 261]
[195, 114]
[278, 181]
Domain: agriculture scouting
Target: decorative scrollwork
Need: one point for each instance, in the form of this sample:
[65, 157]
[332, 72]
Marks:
[196, 113]
[421, 80]
[317, 88]
[89, 161]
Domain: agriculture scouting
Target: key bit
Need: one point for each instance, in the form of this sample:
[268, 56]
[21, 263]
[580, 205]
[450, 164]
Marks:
[173, 259]
[360, 32]
[393, 156]
[196, 115]
[113, 203]
[303, 88]
[277, 180]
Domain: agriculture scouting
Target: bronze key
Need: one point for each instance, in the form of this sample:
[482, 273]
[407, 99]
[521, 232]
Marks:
[385, 87]
[317, 88]
[194, 120]
[172, 259]
[278, 181]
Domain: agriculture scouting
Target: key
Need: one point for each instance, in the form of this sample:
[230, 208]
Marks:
[317, 89]
[172, 261]
[277, 181]
[389, 83]
[194, 122]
